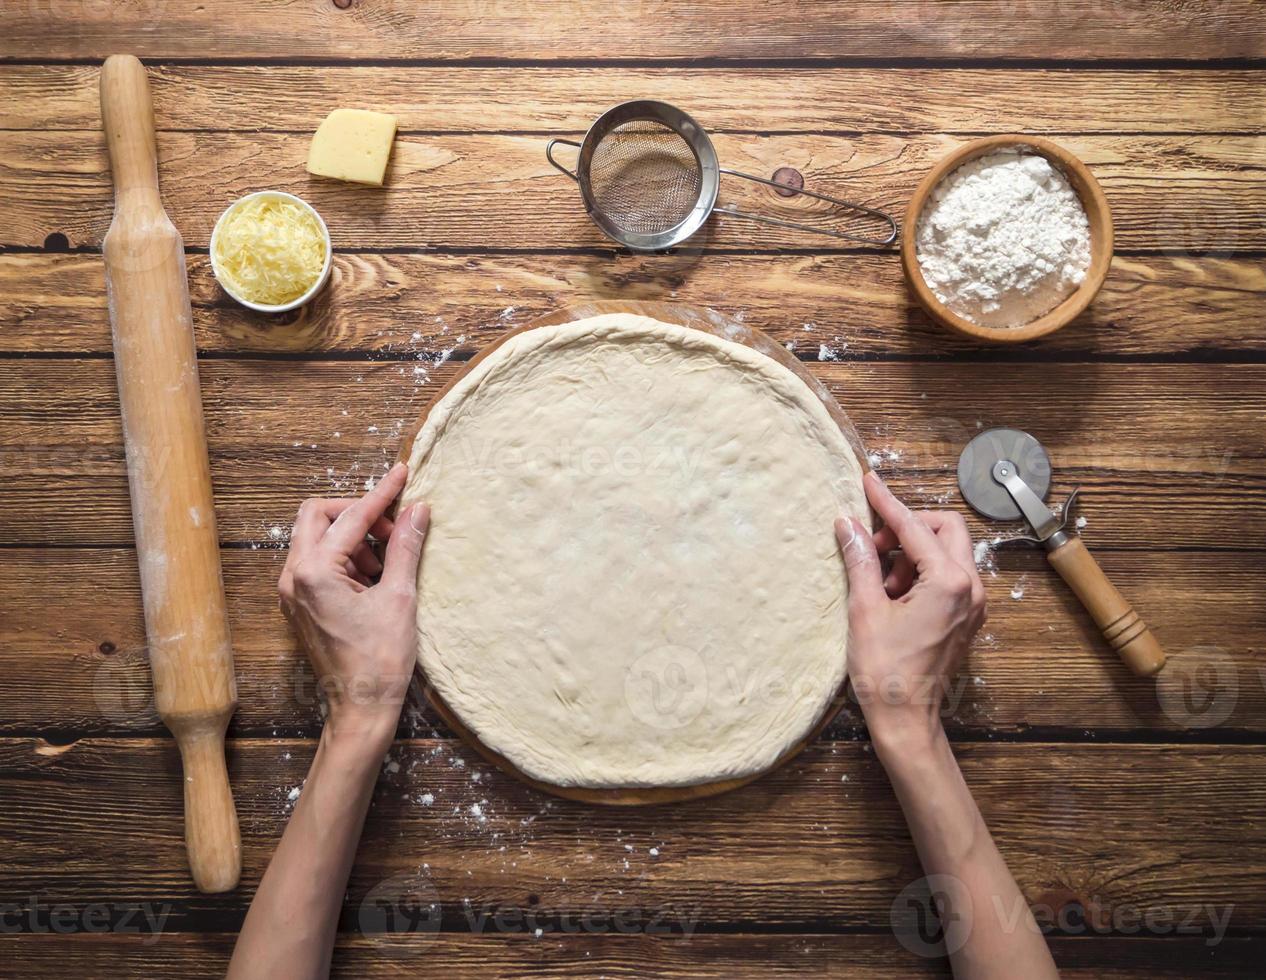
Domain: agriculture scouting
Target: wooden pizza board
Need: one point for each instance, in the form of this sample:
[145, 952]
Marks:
[714, 323]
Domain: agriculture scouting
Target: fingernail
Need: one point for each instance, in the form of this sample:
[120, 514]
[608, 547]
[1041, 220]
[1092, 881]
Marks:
[397, 467]
[846, 540]
[416, 520]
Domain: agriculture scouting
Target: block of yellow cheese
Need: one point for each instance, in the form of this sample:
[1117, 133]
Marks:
[352, 144]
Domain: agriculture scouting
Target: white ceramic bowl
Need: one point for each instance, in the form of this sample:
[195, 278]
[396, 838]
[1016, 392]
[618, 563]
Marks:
[315, 288]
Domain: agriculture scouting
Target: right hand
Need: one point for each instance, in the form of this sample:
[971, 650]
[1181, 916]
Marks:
[359, 634]
[906, 638]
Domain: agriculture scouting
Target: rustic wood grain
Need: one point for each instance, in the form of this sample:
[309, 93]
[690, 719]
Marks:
[1183, 469]
[75, 663]
[607, 952]
[803, 847]
[1172, 452]
[458, 31]
[850, 100]
[1191, 193]
[1152, 305]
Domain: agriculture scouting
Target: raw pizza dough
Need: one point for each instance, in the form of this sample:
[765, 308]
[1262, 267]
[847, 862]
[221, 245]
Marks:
[631, 577]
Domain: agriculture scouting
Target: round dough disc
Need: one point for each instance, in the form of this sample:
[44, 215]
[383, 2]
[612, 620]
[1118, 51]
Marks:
[631, 577]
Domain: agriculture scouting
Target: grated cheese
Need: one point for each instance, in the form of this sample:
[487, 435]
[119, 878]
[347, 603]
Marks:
[269, 250]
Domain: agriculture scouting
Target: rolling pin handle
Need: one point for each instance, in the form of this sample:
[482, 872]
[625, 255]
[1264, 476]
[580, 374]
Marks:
[1121, 626]
[127, 115]
[211, 831]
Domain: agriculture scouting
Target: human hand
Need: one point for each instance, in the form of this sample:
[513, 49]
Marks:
[360, 637]
[908, 633]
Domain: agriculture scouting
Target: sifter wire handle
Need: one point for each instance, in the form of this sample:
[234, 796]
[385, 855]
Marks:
[549, 155]
[892, 224]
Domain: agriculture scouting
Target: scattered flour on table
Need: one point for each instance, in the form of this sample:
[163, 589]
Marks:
[290, 798]
[274, 536]
[983, 551]
[1003, 239]
[878, 457]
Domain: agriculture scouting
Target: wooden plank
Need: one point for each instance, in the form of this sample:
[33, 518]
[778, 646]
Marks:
[604, 951]
[1039, 664]
[803, 848]
[1166, 453]
[469, 29]
[1192, 193]
[1153, 305]
[296, 97]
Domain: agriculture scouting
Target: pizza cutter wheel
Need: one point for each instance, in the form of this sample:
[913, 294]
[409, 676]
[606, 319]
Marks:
[1005, 475]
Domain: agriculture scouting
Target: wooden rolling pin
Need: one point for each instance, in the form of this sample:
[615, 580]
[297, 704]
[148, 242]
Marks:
[173, 514]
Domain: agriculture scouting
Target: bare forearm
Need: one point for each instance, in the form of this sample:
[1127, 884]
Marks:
[1001, 938]
[290, 928]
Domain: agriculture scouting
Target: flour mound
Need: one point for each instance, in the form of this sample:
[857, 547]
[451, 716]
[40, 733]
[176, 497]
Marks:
[1004, 239]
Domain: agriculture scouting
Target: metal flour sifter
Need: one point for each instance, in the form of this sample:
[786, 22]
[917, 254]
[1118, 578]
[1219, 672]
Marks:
[649, 177]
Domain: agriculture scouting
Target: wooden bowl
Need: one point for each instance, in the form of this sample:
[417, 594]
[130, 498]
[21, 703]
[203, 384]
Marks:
[1097, 214]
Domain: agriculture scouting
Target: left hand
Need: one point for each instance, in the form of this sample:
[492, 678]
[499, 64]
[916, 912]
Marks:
[360, 637]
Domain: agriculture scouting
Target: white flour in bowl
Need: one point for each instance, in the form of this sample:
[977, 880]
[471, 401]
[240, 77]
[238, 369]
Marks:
[1003, 239]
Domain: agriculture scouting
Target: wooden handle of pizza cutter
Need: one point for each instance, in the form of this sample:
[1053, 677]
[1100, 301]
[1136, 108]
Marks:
[173, 514]
[1120, 624]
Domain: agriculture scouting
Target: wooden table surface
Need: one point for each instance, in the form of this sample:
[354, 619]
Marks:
[1132, 812]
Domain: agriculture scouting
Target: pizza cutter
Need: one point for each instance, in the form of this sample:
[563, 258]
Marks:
[1005, 474]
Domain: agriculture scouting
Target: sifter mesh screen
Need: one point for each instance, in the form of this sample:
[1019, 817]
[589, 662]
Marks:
[644, 176]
